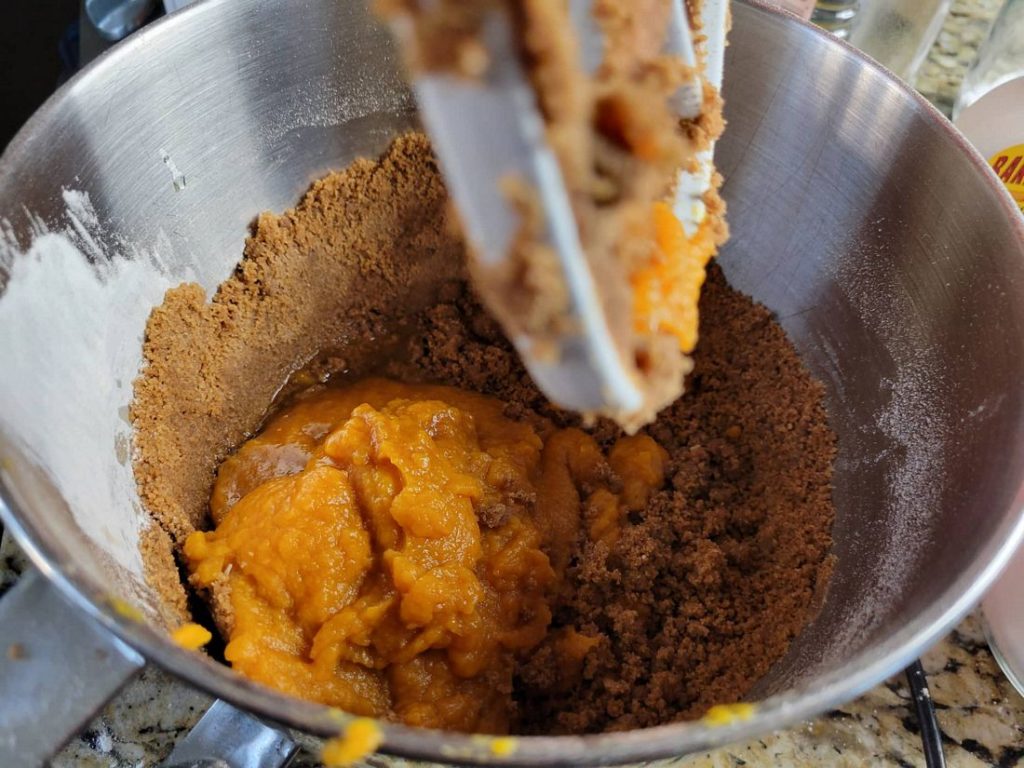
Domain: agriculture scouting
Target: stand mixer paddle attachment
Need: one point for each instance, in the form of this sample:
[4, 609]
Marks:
[576, 140]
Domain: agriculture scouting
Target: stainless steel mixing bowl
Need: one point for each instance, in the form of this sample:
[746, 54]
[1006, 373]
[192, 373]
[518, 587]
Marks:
[889, 252]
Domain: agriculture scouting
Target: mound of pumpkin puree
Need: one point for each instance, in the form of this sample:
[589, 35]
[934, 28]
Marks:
[391, 549]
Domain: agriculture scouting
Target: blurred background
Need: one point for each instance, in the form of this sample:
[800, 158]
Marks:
[30, 62]
[931, 43]
[44, 42]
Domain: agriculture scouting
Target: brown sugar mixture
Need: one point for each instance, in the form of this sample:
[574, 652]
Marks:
[707, 586]
[706, 579]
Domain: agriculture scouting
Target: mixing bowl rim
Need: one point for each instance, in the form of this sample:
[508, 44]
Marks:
[772, 713]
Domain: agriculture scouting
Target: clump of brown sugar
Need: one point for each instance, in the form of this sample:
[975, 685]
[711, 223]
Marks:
[704, 589]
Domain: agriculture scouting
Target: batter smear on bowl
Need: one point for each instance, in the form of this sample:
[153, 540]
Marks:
[410, 530]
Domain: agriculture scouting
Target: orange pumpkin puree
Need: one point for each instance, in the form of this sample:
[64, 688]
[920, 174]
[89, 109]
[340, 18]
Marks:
[666, 289]
[391, 549]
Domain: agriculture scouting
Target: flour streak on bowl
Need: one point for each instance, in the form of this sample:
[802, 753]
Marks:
[66, 404]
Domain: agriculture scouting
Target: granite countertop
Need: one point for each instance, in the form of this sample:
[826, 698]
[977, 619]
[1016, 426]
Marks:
[981, 716]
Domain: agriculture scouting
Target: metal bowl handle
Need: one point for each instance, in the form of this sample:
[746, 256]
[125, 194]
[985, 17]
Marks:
[226, 736]
[57, 670]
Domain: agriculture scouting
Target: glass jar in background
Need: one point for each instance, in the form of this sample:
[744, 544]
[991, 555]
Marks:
[898, 33]
[801, 8]
[836, 16]
[1000, 59]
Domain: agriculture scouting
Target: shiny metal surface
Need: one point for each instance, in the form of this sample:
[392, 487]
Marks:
[891, 255]
[58, 668]
[230, 737]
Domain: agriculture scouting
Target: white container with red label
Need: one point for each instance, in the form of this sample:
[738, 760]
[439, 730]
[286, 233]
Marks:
[994, 123]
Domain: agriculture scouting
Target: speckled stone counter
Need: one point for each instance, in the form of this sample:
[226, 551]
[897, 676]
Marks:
[981, 716]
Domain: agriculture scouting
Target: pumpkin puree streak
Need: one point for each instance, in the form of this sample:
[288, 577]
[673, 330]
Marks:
[666, 289]
[350, 549]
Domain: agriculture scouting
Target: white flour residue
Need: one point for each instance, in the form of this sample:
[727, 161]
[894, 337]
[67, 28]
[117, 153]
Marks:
[324, 103]
[892, 460]
[80, 209]
[919, 433]
[83, 219]
[913, 420]
[73, 315]
[915, 425]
